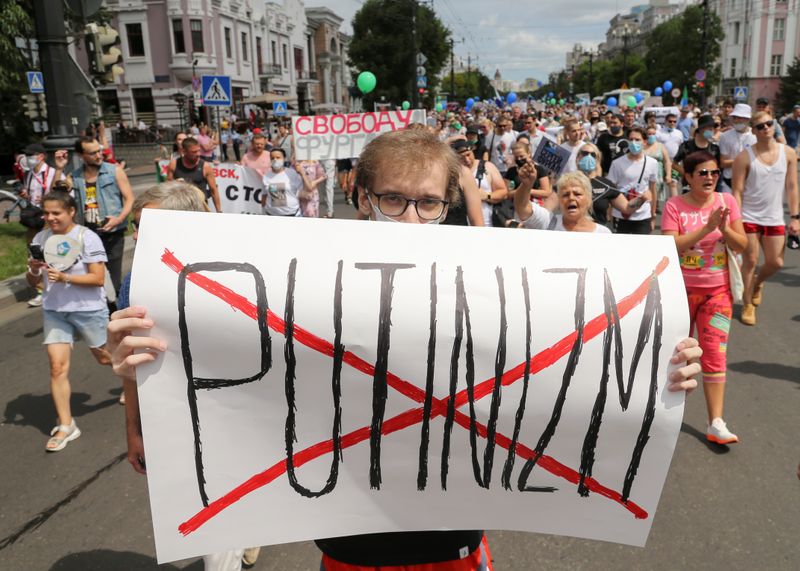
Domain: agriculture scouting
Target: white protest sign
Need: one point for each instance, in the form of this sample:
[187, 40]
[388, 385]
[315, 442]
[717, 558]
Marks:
[311, 389]
[661, 113]
[551, 155]
[320, 137]
[240, 189]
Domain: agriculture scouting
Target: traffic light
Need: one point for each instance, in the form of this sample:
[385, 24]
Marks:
[104, 55]
[422, 91]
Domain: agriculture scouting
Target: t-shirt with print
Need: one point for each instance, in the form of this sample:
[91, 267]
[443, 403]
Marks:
[62, 296]
[633, 178]
[281, 190]
[91, 214]
[706, 264]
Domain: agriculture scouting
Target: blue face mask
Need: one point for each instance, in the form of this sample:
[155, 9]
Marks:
[651, 139]
[708, 134]
[635, 147]
[587, 164]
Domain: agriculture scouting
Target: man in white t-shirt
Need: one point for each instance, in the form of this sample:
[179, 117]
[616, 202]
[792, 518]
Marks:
[281, 187]
[573, 134]
[635, 175]
[734, 141]
[670, 136]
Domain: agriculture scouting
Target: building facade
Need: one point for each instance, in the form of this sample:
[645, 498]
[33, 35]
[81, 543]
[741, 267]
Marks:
[329, 43]
[762, 38]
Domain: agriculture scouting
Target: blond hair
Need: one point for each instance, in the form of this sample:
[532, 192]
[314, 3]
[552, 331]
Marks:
[409, 151]
[758, 115]
[172, 195]
[598, 169]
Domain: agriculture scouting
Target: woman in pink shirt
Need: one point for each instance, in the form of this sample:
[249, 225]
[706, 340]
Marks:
[706, 225]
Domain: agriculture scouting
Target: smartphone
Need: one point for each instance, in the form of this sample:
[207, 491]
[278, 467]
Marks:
[521, 162]
[36, 252]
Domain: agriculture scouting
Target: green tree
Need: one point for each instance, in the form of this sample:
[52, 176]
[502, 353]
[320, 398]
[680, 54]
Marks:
[469, 85]
[382, 43]
[16, 23]
[789, 94]
[674, 52]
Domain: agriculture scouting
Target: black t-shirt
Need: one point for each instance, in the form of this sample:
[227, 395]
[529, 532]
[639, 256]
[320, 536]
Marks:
[401, 548]
[603, 192]
[457, 213]
[512, 176]
[192, 175]
[689, 147]
[611, 147]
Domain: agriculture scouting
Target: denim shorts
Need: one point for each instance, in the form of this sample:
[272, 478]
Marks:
[70, 326]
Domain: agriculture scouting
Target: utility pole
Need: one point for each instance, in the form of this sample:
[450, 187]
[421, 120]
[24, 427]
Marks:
[414, 94]
[704, 53]
[469, 74]
[62, 111]
[452, 72]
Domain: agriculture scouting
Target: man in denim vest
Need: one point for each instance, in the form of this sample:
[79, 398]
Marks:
[104, 198]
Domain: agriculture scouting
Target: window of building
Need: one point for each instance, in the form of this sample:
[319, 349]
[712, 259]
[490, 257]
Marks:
[109, 102]
[733, 67]
[775, 64]
[735, 33]
[285, 56]
[274, 53]
[259, 56]
[135, 40]
[228, 45]
[177, 36]
[197, 36]
[779, 29]
[298, 59]
[244, 46]
[143, 100]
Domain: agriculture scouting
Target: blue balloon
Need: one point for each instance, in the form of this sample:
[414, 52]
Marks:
[511, 97]
[470, 103]
[658, 91]
[612, 101]
[639, 97]
[477, 98]
[667, 85]
[549, 94]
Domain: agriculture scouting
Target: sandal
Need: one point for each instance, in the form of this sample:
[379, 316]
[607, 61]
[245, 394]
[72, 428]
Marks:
[59, 443]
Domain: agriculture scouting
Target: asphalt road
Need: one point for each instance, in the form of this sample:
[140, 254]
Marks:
[722, 508]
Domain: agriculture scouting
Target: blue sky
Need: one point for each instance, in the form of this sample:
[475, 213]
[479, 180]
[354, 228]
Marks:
[523, 38]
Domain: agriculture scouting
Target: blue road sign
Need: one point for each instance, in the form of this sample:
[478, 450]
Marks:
[35, 82]
[422, 81]
[216, 90]
[740, 93]
[279, 108]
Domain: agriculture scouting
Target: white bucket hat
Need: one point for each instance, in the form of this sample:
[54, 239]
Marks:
[741, 110]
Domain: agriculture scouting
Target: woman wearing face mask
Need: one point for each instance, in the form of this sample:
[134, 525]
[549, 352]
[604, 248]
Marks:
[634, 174]
[705, 224]
[658, 152]
[604, 193]
[74, 303]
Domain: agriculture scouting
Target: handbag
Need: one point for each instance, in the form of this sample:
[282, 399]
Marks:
[31, 216]
[734, 271]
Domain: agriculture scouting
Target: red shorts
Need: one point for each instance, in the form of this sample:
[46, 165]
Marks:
[751, 228]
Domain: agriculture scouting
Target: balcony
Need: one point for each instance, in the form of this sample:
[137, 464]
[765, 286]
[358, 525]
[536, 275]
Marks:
[270, 70]
[305, 76]
[183, 68]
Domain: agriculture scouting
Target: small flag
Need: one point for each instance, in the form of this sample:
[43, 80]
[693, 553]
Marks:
[685, 97]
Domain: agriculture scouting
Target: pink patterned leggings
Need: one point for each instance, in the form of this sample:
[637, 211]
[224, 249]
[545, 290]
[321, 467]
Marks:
[710, 311]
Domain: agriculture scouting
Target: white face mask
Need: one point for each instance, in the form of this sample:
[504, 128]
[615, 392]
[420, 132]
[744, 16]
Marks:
[741, 127]
[277, 165]
[32, 161]
[381, 217]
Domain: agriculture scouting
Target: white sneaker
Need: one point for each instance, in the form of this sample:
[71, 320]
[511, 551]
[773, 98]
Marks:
[250, 556]
[35, 301]
[718, 432]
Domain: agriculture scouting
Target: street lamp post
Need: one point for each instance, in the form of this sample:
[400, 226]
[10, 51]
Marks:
[625, 34]
[590, 55]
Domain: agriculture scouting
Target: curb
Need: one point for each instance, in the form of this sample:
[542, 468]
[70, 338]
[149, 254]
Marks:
[16, 289]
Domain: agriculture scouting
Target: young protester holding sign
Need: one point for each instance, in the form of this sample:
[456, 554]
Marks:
[410, 177]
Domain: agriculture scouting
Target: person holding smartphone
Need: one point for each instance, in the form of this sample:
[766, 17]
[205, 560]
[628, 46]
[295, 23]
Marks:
[73, 300]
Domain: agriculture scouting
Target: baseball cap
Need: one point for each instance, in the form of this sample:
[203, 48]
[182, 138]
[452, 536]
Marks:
[601, 126]
[762, 101]
[741, 110]
[797, 106]
[34, 149]
[474, 129]
[460, 145]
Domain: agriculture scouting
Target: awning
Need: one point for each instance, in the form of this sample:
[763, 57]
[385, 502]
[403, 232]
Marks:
[335, 107]
[270, 98]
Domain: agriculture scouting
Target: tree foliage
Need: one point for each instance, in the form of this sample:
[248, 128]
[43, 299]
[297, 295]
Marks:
[471, 84]
[16, 22]
[382, 43]
[789, 94]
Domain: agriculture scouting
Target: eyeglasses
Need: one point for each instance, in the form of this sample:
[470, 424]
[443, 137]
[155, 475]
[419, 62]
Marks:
[391, 204]
[706, 172]
[587, 154]
[764, 125]
[672, 121]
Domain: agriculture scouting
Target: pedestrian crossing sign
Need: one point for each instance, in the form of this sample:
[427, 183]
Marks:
[279, 108]
[35, 82]
[216, 90]
[740, 93]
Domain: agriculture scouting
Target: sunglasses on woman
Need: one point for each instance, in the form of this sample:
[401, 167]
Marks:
[706, 172]
[587, 153]
[764, 125]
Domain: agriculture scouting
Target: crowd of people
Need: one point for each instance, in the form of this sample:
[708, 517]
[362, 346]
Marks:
[717, 176]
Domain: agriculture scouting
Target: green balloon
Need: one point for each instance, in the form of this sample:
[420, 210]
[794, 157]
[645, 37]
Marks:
[561, 102]
[406, 105]
[552, 101]
[439, 107]
[366, 81]
[631, 101]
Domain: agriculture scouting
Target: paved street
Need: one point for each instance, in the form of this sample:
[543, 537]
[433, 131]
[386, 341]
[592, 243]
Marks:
[85, 508]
